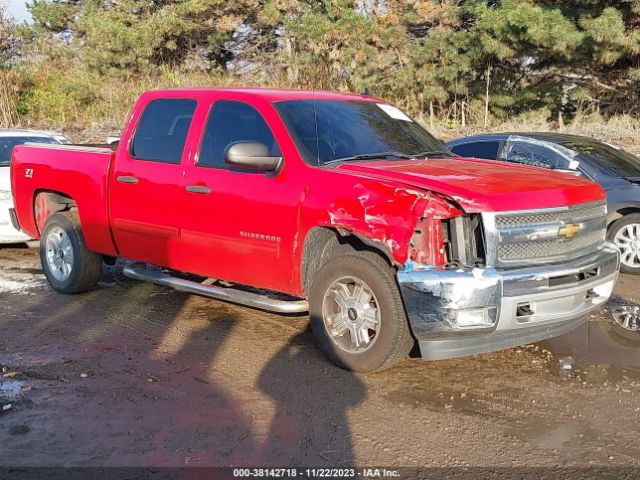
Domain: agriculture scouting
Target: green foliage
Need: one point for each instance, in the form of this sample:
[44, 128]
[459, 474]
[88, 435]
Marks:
[564, 57]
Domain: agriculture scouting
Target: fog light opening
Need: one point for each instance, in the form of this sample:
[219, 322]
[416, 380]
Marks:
[477, 317]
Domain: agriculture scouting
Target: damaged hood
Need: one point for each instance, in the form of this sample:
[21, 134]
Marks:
[483, 185]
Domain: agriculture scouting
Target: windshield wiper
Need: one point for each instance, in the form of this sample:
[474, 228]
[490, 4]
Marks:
[370, 156]
[432, 153]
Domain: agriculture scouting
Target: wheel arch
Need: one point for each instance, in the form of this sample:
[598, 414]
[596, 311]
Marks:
[621, 212]
[323, 243]
[49, 202]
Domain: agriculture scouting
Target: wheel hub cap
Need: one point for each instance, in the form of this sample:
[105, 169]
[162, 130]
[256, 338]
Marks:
[351, 314]
[628, 240]
[59, 254]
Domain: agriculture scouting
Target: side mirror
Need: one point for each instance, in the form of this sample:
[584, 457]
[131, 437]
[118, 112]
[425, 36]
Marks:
[252, 155]
[575, 173]
[113, 142]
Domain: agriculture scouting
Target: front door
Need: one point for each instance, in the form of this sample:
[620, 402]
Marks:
[246, 220]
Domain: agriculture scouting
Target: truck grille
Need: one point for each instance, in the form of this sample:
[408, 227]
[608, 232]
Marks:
[546, 235]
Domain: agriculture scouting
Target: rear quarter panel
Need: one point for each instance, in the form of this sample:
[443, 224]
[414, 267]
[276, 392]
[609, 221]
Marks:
[75, 171]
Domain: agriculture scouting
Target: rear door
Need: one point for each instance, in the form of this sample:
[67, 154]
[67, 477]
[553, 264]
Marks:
[242, 223]
[147, 182]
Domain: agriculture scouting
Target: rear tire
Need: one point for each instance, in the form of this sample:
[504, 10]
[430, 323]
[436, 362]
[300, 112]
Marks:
[357, 314]
[625, 233]
[66, 262]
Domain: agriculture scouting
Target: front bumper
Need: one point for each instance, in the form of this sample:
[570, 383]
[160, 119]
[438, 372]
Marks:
[8, 232]
[455, 313]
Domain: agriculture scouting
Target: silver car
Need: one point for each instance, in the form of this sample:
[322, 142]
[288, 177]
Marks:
[9, 138]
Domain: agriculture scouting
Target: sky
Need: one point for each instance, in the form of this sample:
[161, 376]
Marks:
[18, 10]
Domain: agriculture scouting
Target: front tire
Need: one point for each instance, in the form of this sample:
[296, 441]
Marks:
[625, 233]
[357, 314]
[66, 262]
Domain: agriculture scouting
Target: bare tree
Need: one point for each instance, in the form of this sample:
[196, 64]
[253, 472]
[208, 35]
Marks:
[6, 26]
[8, 112]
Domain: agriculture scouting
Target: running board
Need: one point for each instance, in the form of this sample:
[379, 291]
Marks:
[263, 302]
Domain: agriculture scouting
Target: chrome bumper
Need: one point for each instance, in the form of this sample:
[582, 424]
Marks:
[455, 313]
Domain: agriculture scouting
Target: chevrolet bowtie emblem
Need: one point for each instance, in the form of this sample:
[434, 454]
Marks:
[569, 230]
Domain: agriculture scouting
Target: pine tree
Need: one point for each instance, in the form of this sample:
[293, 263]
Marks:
[445, 55]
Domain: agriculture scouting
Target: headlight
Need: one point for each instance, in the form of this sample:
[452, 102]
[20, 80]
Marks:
[5, 196]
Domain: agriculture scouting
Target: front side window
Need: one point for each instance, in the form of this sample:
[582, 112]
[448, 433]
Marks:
[613, 159]
[333, 130]
[532, 154]
[231, 122]
[7, 144]
[162, 130]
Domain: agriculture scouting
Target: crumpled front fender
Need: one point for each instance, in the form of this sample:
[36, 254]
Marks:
[388, 215]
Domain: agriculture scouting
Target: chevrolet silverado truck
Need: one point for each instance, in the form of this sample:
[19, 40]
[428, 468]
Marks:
[336, 204]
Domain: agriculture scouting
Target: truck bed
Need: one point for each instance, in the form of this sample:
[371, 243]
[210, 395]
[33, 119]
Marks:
[78, 171]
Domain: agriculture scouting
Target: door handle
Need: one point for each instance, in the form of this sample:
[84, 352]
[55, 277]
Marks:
[127, 179]
[198, 189]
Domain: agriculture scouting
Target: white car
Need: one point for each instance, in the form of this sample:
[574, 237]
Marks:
[8, 139]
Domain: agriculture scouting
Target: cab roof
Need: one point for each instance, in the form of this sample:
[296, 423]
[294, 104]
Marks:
[274, 94]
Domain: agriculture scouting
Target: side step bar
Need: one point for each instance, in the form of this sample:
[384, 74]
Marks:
[263, 302]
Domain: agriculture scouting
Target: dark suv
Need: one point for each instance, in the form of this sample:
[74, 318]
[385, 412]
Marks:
[615, 169]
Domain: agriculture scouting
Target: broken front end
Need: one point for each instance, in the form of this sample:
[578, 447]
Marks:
[488, 281]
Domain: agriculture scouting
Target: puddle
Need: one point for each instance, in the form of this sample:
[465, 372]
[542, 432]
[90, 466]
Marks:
[10, 389]
[597, 351]
[554, 437]
[423, 395]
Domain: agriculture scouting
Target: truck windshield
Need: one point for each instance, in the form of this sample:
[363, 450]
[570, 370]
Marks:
[613, 159]
[332, 131]
[7, 144]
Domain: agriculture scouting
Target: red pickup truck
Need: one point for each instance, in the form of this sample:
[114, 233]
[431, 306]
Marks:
[338, 204]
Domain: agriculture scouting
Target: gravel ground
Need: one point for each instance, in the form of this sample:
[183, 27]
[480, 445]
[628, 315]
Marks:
[138, 375]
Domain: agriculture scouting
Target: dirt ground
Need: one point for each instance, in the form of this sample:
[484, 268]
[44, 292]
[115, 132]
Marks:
[138, 375]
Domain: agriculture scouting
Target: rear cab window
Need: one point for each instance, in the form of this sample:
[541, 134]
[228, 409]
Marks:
[162, 130]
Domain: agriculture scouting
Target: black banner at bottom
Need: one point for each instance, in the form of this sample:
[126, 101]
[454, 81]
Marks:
[374, 472]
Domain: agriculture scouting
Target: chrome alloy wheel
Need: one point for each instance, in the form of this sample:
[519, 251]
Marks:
[59, 254]
[628, 240]
[628, 317]
[351, 314]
